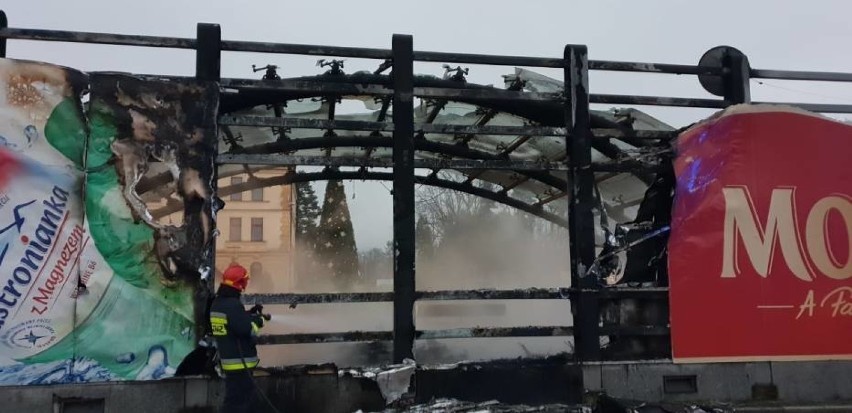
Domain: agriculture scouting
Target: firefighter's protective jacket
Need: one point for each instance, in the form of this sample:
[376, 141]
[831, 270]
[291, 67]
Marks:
[235, 330]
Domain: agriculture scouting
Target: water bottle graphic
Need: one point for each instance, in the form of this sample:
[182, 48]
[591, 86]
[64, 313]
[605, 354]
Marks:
[82, 298]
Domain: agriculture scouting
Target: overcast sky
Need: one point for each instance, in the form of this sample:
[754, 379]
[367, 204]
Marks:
[775, 34]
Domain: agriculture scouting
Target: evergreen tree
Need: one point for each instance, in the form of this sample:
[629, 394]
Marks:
[336, 250]
[307, 213]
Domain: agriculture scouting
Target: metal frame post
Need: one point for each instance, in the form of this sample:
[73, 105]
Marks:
[403, 197]
[4, 23]
[208, 52]
[208, 56]
[736, 78]
[581, 230]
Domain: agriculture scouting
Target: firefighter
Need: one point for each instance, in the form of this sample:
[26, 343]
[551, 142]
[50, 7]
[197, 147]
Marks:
[235, 331]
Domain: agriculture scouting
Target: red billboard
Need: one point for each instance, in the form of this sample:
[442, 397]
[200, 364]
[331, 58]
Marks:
[760, 254]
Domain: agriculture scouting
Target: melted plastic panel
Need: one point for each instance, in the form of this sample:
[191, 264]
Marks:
[174, 123]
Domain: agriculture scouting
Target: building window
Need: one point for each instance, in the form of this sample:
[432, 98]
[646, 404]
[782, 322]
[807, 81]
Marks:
[257, 229]
[236, 230]
[237, 196]
[257, 194]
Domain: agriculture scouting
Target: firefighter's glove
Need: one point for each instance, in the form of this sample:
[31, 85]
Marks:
[257, 321]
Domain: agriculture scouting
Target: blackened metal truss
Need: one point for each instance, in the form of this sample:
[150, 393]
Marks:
[565, 114]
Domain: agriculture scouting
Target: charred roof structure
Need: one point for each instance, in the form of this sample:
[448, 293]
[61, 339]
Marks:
[536, 139]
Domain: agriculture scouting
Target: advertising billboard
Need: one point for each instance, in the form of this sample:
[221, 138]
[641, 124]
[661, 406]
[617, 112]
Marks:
[760, 254]
[87, 295]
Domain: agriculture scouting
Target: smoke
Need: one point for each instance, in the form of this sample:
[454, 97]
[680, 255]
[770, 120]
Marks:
[470, 244]
[500, 250]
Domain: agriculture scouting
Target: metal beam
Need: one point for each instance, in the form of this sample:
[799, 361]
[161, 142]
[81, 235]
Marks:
[489, 294]
[620, 330]
[546, 200]
[304, 123]
[301, 338]
[403, 198]
[581, 219]
[419, 145]
[97, 38]
[381, 126]
[366, 336]
[514, 145]
[337, 161]
[612, 151]
[357, 125]
[423, 56]
[375, 297]
[800, 75]
[479, 332]
[813, 107]
[505, 190]
[492, 94]
[657, 101]
[444, 57]
[292, 178]
[652, 68]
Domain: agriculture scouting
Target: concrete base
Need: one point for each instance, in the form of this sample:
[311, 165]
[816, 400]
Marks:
[763, 387]
[788, 382]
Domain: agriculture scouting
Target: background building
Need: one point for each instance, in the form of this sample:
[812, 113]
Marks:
[255, 231]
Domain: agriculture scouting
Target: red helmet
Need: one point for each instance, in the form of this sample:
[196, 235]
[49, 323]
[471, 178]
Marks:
[236, 276]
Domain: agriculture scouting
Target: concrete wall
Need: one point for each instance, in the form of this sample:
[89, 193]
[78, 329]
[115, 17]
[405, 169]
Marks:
[323, 390]
[790, 382]
[167, 396]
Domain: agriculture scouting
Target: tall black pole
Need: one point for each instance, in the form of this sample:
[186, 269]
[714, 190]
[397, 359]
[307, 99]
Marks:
[403, 198]
[581, 229]
[4, 23]
[208, 53]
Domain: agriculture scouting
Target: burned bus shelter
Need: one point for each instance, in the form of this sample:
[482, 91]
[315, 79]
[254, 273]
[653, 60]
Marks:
[535, 141]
